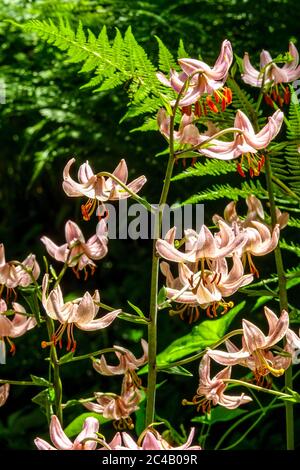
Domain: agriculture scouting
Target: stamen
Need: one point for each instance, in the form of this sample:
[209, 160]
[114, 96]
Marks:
[88, 208]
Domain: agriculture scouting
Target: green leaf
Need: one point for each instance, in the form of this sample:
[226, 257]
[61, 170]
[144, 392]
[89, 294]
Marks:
[260, 302]
[177, 370]
[136, 309]
[219, 414]
[75, 427]
[181, 50]
[66, 358]
[203, 335]
[40, 381]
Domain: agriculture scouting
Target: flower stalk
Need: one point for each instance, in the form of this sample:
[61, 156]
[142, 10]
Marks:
[283, 301]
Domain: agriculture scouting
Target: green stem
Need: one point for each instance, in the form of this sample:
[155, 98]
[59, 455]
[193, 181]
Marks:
[257, 387]
[93, 354]
[283, 300]
[54, 364]
[18, 382]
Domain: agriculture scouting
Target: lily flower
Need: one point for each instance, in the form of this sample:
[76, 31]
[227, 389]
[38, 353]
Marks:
[13, 273]
[98, 189]
[14, 328]
[61, 441]
[78, 253]
[118, 407]
[255, 352]
[205, 289]
[203, 78]
[261, 240]
[150, 439]
[202, 245]
[4, 392]
[127, 361]
[271, 75]
[211, 390]
[80, 312]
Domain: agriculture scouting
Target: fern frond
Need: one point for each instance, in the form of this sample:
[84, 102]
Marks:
[294, 222]
[242, 100]
[112, 62]
[166, 60]
[210, 167]
[293, 247]
[219, 191]
[181, 53]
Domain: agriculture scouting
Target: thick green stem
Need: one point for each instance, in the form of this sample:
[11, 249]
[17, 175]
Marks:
[283, 300]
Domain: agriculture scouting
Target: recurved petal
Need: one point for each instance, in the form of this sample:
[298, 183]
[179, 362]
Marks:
[150, 442]
[129, 442]
[73, 232]
[58, 253]
[227, 358]
[253, 337]
[121, 172]
[57, 435]
[86, 310]
[90, 428]
[4, 392]
[232, 402]
[43, 445]
[85, 172]
[278, 330]
[21, 324]
[100, 323]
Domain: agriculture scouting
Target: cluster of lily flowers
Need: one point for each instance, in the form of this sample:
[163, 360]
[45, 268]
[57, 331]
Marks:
[204, 278]
[211, 268]
[199, 85]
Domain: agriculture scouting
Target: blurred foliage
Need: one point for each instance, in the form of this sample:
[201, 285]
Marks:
[47, 118]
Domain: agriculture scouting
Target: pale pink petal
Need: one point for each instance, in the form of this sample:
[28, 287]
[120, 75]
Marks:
[100, 323]
[43, 445]
[58, 437]
[90, 429]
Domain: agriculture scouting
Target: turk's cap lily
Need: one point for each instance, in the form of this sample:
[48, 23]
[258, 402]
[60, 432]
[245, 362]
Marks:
[61, 441]
[255, 346]
[81, 311]
[204, 79]
[212, 389]
[4, 392]
[20, 323]
[260, 241]
[150, 439]
[197, 246]
[127, 361]
[97, 187]
[271, 73]
[117, 407]
[13, 274]
[77, 251]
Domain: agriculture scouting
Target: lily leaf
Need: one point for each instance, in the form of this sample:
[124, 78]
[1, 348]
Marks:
[219, 414]
[75, 427]
[203, 335]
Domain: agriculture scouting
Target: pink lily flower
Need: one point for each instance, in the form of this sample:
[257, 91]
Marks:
[4, 392]
[270, 74]
[117, 407]
[14, 328]
[127, 361]
[61, 441]
[150, 439]
[13, 275]
[199, 246]
[96, 188]
[187, 133]
[204, 78]
[211, 390]
[205, 289]
[80, 312]
[77, 252]
[255, 352]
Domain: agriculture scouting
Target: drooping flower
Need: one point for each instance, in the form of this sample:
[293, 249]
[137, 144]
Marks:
[14, 328]
[203, 79]
[127, 361]
[150, 439]
[99, 189]
[261, 239]
[256, 347]
[4, 392]
[205, 289]
[202, 245]
[118, 407]
[80, 312]
[78, 253]
[211, 390]
[14, 273]
[84, 441]
[271, 75]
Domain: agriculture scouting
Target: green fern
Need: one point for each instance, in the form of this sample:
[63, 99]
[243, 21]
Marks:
[112, 62]
[209, 167]
[165, 58]
[292, 154]
[294, 248]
